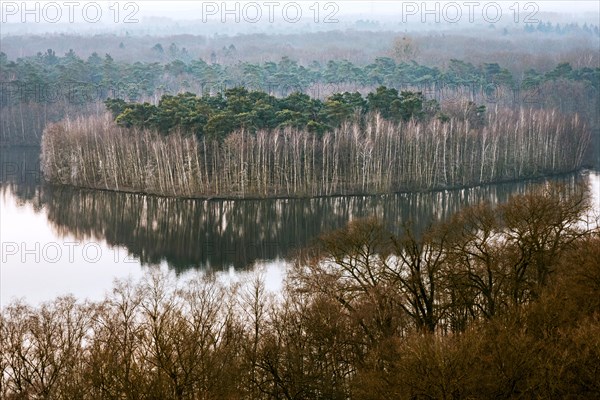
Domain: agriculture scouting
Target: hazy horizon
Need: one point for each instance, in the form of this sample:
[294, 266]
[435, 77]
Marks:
[235, 17]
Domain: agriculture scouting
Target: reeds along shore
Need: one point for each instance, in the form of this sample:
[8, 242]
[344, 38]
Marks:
[369, 156]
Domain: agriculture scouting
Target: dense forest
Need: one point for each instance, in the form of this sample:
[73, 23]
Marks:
[45, 88]
[218, 116]
[497, 302]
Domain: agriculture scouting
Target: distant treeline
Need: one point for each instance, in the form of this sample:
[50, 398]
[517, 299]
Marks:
[371, 153]
[47, 77]
[564, 29]
[46, 88]
[499, 302]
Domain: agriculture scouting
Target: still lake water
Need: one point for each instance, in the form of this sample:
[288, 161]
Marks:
[57, 241]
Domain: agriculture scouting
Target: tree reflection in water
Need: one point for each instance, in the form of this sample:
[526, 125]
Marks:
[218, 234]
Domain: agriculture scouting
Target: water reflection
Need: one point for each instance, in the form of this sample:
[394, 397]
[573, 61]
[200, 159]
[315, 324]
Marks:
[20, 175]
[220, 234]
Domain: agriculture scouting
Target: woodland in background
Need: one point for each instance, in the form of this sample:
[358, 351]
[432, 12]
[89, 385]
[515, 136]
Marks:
[519, 46]
[37, 90]
[499, 302]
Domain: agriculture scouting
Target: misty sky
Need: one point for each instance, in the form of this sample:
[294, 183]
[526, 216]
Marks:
[312, 14]
[192, 9]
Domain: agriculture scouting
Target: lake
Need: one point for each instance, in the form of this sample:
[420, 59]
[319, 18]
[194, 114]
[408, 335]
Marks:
[59, 240]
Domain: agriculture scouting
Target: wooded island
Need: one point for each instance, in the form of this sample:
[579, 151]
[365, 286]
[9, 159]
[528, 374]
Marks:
[251, 144]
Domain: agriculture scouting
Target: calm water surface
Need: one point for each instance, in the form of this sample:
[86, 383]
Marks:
[62, 240]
